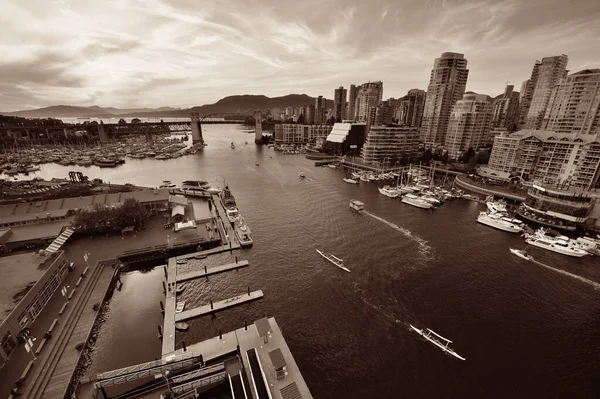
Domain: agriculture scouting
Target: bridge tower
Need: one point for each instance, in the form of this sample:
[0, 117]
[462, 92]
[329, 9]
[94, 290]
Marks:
[196, 129]
[102, 133]
[258, 127]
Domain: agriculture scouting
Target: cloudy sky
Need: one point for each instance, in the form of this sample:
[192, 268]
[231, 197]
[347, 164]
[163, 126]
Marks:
[181, 53]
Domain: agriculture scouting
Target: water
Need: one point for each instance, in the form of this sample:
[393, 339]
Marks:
[526, 331]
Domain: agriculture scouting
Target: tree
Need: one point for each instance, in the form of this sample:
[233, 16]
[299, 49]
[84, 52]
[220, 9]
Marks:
[102, 219]
[426, 156]
[122, 121]
[137, 120]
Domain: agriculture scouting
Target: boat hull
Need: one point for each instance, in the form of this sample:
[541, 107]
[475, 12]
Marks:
[332, 261]
[418, 204]
[436, 343]
[506, 228]
[558, 250]
[520, 254]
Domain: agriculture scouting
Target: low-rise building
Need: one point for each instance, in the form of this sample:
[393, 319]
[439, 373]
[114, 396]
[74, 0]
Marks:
[289, 133]
[390, 144]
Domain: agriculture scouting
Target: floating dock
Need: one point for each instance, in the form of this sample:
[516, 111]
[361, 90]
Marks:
[218, 306]
[210, 271]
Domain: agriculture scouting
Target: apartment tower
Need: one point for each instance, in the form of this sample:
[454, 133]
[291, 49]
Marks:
[339, 104]
[410, 108]
[469, 124]
[369, 95]
[351, 113]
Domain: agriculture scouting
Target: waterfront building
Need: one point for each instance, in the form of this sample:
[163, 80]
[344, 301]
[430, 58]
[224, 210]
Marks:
[346, 138]
[369, 95]
[382, 114]
[506, 110]
[339, 104]
[289, 133]
[558, 159]
[410, 108]
[446, 86]
[557, 207]
[351, 113]
[575, 104]
[46, 272]
[469, 124]
[389, 144]
[319, 110]
[546, 74]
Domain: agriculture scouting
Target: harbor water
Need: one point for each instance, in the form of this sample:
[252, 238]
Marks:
[525, 330]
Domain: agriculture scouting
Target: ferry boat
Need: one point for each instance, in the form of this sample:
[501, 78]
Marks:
[388, 191]
[357, 205]
[242, 232]
[437, 340]
[335, 260]
[180, 306]
[349, 181]
[521, 253]
[561, 244]
[500, 222]
[415, 200]
[181, 326]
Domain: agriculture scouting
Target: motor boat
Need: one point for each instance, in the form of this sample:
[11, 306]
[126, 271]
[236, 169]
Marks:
[496, 206]
[357, 205]
[181, 326]
[561, 244]
[302, 175]
[349, 181]
[200, 256]
[335, 260]
[242, 232]
[181, 261]
[388, 191]
[500, 222]
[415, 200]
[232, 215]
[589, 244]
[180, 306]
[167, 184]
[521, 253]
[437, 340]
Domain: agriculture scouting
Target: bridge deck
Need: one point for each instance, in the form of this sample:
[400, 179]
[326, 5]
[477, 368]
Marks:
[210, 271]
[218, 306]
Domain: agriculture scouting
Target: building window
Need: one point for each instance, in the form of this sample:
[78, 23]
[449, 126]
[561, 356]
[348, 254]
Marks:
[23, 319]
[8, 343]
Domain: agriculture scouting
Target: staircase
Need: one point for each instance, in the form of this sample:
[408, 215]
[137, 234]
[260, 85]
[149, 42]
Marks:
[60, 240]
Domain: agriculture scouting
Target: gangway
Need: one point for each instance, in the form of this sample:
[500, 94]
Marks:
[60, 240]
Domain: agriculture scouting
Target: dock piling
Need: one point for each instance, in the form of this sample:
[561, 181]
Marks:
[162, 307]
[236, 259]
[248, 291]
[211, 304]
[164, 287]
[159, 330]
[245, 325]
[220, 334]
[184, 347]
[165, 269]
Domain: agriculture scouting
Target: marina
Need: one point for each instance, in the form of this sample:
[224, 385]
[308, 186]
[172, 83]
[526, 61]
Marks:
[218, 306]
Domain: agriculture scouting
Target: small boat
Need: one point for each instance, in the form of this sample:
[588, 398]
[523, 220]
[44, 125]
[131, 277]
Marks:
[437, 340]
[335, 260]
[349, 181]
[200, 256]
[181, 326]
[357, 205]
[180, 307]
[167, 184]
[302, 175]
[332, 166]
[521, 254]
[179, 289]
[364, 178]
[257, 164]
[181, 261]
[232, 146]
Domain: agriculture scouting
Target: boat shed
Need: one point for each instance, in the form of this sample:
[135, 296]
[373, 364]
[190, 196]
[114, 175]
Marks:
[178, 213]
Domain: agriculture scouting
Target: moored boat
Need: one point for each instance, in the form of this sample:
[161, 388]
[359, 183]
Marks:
[349, 181]
[181, 326]
[242, 232]
[180, 306]
[180, 288]
[500, 222]
[335, 260]
[388, 191]
[415, 200]
[561, 244]
[437, 340]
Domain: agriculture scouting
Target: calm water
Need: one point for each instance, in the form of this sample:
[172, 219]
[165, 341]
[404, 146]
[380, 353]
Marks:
[526, 331]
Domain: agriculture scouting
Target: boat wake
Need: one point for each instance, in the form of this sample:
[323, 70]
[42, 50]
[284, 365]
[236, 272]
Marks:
[424, 247]
[566, 273]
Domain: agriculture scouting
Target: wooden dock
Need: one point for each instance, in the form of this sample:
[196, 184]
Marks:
[210, 271]
[218, 306]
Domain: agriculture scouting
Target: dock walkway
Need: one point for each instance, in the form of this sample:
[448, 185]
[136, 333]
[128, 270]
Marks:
[218, 306]
[210, 271]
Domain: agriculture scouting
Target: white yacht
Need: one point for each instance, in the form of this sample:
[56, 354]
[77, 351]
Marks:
[496, 206]
[561, 244]
[232, 215]
[167, 184]
[589, 244]
[357, 205]
[431, 199]
[500, 222]
[349, 181]
[242, 232]
[388, 191]
[415, 200]
[364, 178]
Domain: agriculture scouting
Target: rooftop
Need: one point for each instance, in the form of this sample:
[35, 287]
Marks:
[19, 273]
[548, 135]
[37, 231]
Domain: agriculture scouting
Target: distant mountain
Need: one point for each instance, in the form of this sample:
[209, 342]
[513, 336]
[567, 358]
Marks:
[241, 105]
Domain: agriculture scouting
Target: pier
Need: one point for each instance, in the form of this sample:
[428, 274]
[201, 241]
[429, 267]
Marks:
[218, 306]
[210, 271]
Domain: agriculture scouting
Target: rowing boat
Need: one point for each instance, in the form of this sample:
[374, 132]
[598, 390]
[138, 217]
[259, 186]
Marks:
[437, 340]
[335, 260]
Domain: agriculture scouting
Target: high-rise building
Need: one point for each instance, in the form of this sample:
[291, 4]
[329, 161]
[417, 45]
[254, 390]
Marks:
[339, 104]
[410, 108]
[351, 114]
[527, 94]
[319, 110]
[446, 86]
[383, 114]
[549, 73]
[469, 124]
[388, 144]
[369, 95]
[575, 104]
[506, 110]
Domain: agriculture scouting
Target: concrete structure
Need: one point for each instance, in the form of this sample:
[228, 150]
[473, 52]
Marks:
[31, 280]
[196, 128]
[506, 110]
[446, 86]
[546, 74]
[351, 112]
[575, 104]
[382, 114]
[389, 144]
[563, 160]
[346, 138]
[258, 126]
[339, 104]
[319, 110]
[468, 125]
[290, 133]
[410, 108]
[369, 95]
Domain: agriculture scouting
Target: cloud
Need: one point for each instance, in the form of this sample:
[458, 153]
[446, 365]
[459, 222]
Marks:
[182, 53]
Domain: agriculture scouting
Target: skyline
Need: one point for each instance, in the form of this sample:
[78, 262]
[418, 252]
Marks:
[157, 53]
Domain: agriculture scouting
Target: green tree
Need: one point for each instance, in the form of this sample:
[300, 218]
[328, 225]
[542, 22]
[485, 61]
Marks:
[137, 120]
[122, 121]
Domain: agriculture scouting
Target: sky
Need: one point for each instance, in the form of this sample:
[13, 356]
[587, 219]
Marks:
[181, 53]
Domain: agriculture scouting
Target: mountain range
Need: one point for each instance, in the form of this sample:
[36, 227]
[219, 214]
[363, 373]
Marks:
[240, 105]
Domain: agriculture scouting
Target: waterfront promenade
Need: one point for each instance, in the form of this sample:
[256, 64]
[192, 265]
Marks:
[462, 182]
